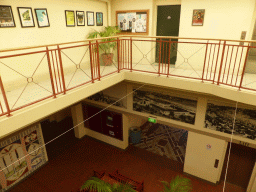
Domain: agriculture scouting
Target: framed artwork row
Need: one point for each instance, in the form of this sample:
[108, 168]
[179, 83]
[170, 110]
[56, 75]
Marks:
[27, 19]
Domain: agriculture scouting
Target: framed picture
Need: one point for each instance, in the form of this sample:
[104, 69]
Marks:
[70, 18]
[80, 21]
[42, 18]
[99, 18]
[198, 17]
[26, 16]
[90, 18]
[6, 16]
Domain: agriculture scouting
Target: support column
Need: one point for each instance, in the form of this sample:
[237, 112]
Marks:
[77, 116]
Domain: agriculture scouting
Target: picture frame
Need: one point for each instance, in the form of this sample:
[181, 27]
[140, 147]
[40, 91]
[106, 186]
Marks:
[99, 18]
[70, 18]
[26, 16]
[42, 17]
[6, 17]
[198, 17]
[80, 19]
[90, 18]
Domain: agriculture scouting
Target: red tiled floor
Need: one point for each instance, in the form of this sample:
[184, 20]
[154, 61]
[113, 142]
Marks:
[70, 168]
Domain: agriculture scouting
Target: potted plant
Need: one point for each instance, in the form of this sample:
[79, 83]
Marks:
[95, 184]
[106, 49]
[178, 184]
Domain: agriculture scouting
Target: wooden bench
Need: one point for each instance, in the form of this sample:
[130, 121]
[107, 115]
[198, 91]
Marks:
[116, 177]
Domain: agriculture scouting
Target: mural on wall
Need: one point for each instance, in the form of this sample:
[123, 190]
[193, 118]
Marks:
[20, 155]
[164, 140]
[104, 98]
[220, 118]
[161, 104]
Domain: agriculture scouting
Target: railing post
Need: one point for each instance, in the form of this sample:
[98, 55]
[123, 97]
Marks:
[216, 63]
[61, 70]
[50, 71]
[169, 57]
[90, 49]
[131, 52]
[118, 47]
[5, 98]
[248, 48]
[205, 60]
[160, 45]
[98, 57]
[223, 52]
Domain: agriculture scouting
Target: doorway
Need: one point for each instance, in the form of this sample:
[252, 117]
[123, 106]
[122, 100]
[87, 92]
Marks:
[241, 163]
[250, 64]
[168, 22]
[51, 130]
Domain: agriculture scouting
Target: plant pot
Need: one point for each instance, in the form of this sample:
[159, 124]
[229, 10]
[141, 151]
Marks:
[107, 58]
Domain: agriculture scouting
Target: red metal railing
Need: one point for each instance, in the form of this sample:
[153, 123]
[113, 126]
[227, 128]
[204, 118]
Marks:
[70, 65]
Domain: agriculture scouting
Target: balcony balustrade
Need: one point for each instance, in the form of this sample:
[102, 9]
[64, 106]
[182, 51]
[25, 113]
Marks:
[32, 74]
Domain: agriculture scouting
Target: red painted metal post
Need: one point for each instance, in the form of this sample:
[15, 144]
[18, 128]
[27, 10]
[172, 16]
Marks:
[90, 49]
[98, 57]
[118, 47]
[222, 58]
[216, 62]
[61, 70]
[50, 71]
[160, 44]
[205, 60]
[131, 52]
[248, 48]
[169, 57]
[5, 98]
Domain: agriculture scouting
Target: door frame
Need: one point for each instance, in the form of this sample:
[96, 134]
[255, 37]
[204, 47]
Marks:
[155, 7]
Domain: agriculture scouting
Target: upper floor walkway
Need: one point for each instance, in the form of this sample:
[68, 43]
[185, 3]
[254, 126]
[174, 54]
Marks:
[38, 81]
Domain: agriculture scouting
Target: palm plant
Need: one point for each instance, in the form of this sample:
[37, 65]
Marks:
[178, 184]
[96, 184]
[107, 32]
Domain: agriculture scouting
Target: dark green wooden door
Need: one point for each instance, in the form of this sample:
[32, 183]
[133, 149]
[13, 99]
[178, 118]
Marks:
[168, 22]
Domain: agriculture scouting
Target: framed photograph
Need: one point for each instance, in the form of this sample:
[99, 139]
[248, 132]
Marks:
[198, 17]
[99, 18]
[42, 18]
[80, 21]
[70, 18]
[6, 16]
[90, 18]
[26, 16]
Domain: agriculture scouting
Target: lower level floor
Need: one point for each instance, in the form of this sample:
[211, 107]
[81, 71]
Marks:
[72, 161]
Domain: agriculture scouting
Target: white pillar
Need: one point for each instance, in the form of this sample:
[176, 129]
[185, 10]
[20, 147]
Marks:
[77, 116]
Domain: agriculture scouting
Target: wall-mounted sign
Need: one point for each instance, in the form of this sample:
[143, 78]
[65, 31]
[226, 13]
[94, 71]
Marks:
[152, 119]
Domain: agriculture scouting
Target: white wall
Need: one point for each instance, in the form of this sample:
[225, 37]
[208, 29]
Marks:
[57, 32]
[223, 20]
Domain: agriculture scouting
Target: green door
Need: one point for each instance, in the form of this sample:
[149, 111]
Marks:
[168, 22]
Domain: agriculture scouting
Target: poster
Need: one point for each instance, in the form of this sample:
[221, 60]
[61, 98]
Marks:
[70, 18]
[90, 18]
[21, 155]
[99, 19]
[6, 16]
[42, 18]
[141, 22]
[80, 18]
[198, 17]
[131, 18]
[26, 17]
[122, 21]
[165, 105]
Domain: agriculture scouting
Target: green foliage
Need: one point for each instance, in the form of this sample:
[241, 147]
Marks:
[107, 32]
[178, 184]
[98, 185]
